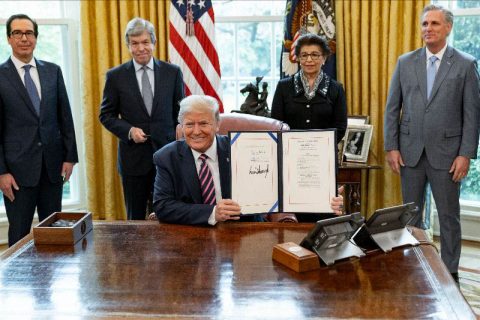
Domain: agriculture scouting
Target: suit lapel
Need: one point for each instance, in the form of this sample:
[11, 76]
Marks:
[445, 65]
[156, 95]
[190, 169]
[133, 83]
[421, 69]
[223, 152]
[17, 83]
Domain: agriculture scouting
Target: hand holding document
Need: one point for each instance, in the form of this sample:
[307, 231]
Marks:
[293, 171]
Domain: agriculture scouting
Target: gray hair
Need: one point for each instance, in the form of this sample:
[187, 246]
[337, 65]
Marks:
[137, 26]
[198, 103]
[436, 7]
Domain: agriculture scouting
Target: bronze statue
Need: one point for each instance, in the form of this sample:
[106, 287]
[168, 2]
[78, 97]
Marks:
[254, 104]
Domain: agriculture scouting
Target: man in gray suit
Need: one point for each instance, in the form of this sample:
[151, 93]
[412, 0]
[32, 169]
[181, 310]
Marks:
[431, 125]
[37, 138]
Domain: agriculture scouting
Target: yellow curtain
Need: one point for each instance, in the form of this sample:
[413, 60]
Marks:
[103, 47]
[371, 35]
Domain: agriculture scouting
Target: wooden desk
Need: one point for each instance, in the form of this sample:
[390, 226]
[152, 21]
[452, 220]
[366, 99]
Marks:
[355, 178]
[143, 269]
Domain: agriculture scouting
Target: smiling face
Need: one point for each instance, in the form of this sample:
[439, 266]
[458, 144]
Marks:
[22, 48]
[311, 59]
[199, 129]
[141, 47]
[435, 30]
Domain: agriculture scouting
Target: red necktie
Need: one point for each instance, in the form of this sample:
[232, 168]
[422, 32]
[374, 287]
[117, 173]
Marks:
[206, 181]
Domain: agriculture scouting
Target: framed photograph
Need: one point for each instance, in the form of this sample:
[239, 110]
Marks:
[353, 120]
[357, 142]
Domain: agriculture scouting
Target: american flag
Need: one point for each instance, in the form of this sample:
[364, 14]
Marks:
[192, 47]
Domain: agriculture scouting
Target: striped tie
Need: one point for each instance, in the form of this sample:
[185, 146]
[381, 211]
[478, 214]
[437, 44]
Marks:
[206, 182]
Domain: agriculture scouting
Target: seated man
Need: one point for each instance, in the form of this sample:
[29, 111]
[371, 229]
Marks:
[192, 185]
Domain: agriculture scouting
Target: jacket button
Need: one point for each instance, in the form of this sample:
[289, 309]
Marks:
[308, 106]
[308, 121]
[39, 144]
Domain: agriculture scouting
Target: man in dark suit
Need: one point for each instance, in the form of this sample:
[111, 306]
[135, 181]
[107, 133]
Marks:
[187, 168]
[37, 138]
[431, 125]
[140, 106]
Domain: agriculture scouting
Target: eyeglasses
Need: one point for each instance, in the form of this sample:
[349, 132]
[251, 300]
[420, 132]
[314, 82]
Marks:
[201, 124]
[314, 55]
[17, 34]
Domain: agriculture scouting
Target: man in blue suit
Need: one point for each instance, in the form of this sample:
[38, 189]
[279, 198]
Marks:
[431, 125]
[179, 195]
[37, 138]
[140, 107]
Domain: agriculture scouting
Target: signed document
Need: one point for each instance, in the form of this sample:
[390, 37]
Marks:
[290, 171]
[255, 171]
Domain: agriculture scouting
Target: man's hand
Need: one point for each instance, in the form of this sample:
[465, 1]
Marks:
[7, 181]
[67, 169]
[394, 159]
[227, 209]
[337, 202]
[460, 168]
[137, 135]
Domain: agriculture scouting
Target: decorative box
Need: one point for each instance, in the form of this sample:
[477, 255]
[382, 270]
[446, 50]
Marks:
[64, 228]
[295, 257]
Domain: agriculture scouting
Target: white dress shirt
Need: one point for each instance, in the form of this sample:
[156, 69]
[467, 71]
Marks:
[150, 74]
[33, 72]
[212, 163]
[439, 55]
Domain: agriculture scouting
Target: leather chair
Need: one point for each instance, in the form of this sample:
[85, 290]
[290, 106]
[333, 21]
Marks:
[243, 122]
[248, 122]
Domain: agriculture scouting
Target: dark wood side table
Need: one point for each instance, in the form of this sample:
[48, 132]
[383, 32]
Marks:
[354, 176]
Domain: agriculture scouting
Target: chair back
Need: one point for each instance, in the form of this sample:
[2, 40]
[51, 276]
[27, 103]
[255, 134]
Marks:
[243, 122]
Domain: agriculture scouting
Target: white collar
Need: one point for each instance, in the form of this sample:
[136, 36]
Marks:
[19, 64]
[211, 152]
[439, 54]
[139, 66]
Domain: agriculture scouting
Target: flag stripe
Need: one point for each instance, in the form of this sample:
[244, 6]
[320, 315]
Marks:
[196, 54]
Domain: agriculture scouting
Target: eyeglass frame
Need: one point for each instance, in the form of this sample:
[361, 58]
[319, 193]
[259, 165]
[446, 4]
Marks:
[18, 34]
[304, 56]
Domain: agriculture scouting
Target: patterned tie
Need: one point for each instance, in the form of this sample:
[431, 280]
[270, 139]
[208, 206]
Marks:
[31, 88]
[147, 91]
[431, 72]
[206, 181]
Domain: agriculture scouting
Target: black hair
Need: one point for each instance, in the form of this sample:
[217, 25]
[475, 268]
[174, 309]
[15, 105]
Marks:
[21, 17]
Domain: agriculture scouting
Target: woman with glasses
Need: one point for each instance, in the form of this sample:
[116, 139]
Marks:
[310, 99]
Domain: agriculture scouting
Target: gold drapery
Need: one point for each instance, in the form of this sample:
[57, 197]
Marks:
[371, 35]
[103, 47]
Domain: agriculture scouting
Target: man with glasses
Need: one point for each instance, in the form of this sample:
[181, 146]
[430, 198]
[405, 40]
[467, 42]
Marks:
[140, 106]
[37, 137]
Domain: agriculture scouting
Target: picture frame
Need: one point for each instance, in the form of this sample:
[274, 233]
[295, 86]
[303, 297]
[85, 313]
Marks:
[357, 142]
[357, 119]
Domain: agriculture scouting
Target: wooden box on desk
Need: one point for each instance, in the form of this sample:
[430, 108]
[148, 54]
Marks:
[44, 233]
[295, 257]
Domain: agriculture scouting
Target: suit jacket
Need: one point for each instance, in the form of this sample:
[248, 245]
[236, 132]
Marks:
[446, 125]
[328, 109]
[177, 197]
[26, 138]
[123, 108]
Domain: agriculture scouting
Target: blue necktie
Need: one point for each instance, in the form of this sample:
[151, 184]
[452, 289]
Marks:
[431, 72]
[31, 89]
